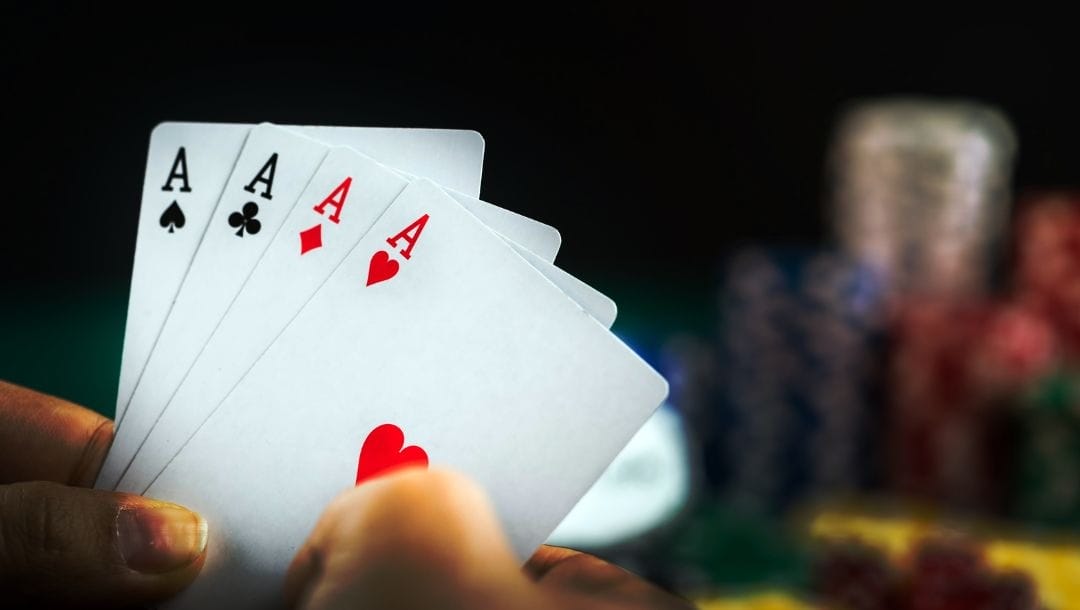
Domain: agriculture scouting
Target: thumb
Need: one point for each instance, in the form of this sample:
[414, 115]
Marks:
[414, 539]
[66, 546]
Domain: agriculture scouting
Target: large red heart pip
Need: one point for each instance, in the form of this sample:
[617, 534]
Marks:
[383, 452]
[381, 268]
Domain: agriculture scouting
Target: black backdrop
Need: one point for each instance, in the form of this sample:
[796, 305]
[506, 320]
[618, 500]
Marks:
[654, 138]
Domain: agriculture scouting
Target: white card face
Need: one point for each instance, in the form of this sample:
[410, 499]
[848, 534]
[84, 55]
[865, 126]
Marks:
[434, 154]
[434, 325]
[186, 168]
[167, 240]
[340, 203]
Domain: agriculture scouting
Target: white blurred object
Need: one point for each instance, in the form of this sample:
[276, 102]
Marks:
[922, 190]
[646, 485]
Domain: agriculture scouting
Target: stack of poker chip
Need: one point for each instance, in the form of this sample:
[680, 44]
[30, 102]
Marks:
[945, 572]
[921, 191]
[1046, 469]
[918, 556]
[954, 367]
[851, 574]
[1046, 282]
[799, 347]
[1046, 273]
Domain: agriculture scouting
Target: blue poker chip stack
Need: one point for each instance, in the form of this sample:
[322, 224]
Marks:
[799, 356]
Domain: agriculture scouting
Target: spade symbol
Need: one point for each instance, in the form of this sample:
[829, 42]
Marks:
[172, 217]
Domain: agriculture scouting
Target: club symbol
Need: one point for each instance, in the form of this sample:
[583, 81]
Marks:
[245, 219]
[172, 218]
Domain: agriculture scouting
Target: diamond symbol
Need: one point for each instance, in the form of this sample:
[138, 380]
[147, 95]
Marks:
[310, 239]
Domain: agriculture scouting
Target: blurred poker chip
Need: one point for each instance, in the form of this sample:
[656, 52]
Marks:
[885, 554]
[1046, 469]
[797, 404]
[920, 190]
[1046, 262]
[957, 355]
[955, 369]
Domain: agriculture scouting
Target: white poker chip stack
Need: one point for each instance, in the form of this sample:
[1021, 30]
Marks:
[921, 190]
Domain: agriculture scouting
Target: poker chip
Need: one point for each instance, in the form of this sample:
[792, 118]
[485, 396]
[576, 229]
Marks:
[920, 190]
[951, 572]
[1046, 483]
[855, 575]
[941, 572]
[1046, 263]
[954, 367]
[798, 373]
[919, 557]
[896, 364]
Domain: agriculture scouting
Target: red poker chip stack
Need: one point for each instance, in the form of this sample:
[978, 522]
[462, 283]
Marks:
[942, 572]
[1047, 263]
[852, 575]
[948, 574]
[953, 367]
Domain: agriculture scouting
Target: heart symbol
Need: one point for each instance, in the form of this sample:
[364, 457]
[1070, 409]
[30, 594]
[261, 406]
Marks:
[381, 268]
[383, 452]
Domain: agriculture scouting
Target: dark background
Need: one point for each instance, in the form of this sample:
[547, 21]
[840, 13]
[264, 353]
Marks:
[654, 138]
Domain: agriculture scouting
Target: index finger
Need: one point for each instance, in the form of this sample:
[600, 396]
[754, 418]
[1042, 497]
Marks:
[45, 438]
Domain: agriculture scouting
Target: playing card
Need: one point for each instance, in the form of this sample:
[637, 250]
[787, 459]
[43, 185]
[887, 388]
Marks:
[275, 162]
[329, 218]
[432, 333]
[186, 169]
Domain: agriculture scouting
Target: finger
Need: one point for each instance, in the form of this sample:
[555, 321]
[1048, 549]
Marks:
[415, 539]
[45, 438]
[66, 546]
[562, 570]
[545, 558]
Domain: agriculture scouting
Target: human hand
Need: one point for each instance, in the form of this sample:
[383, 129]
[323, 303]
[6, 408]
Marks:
[430, 539]
[64, 545]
